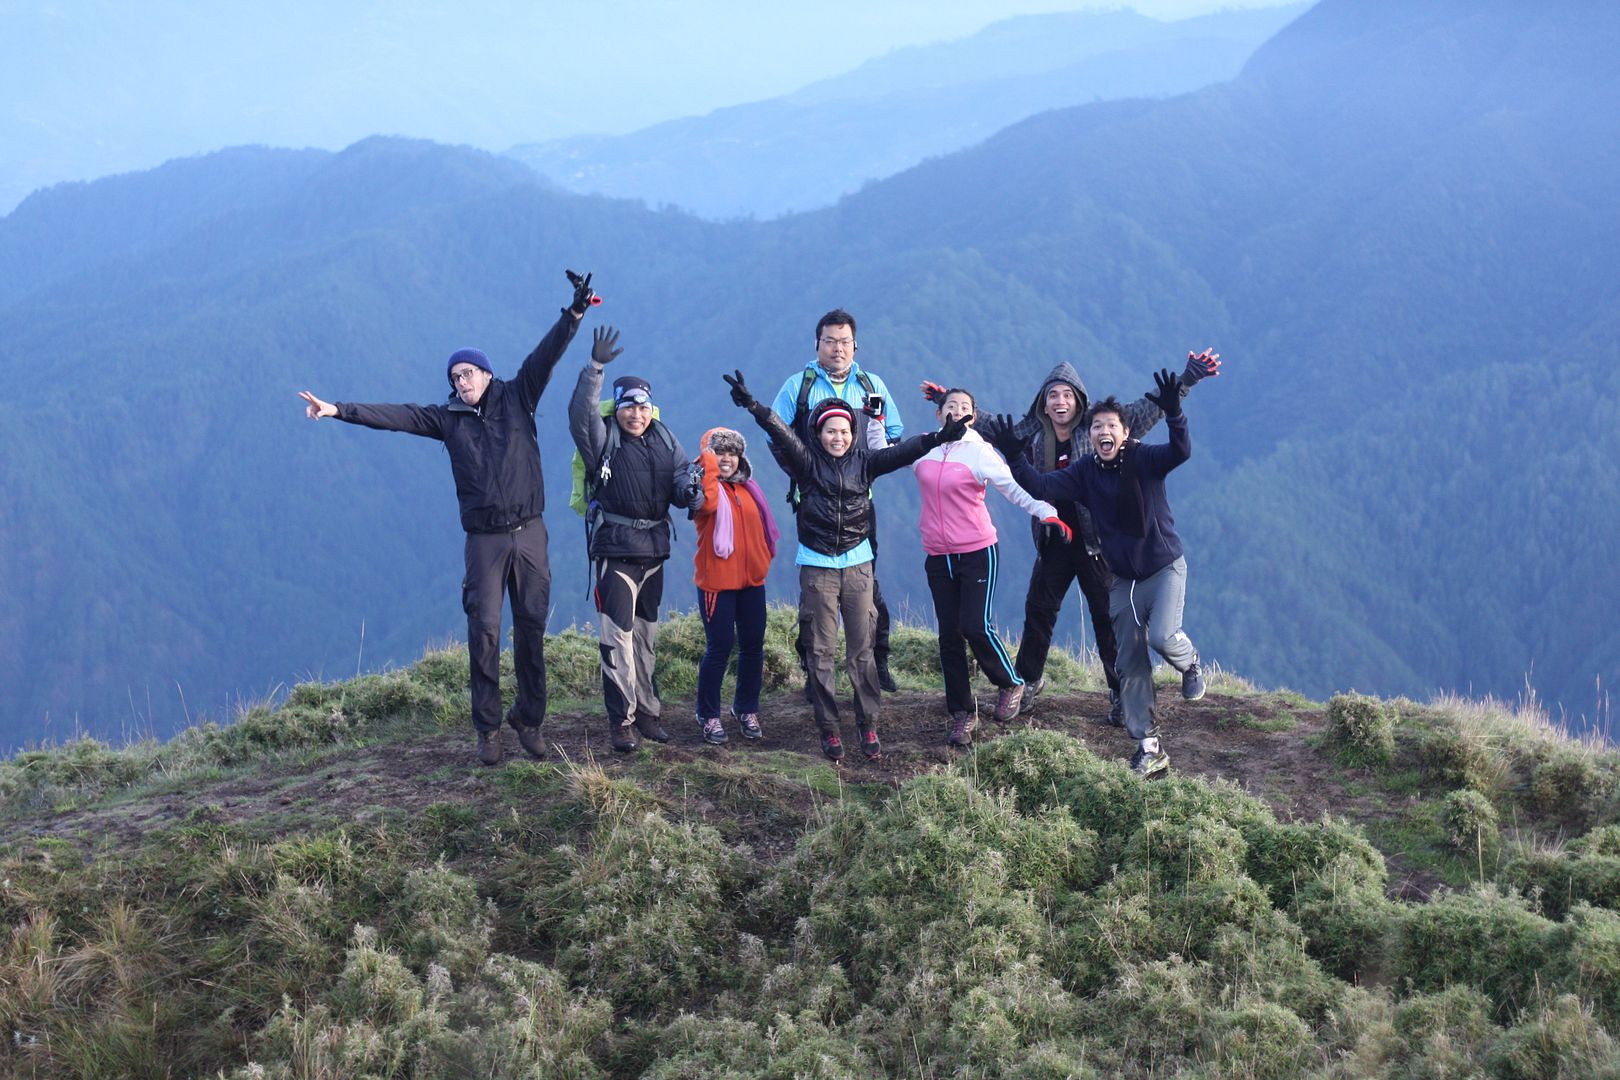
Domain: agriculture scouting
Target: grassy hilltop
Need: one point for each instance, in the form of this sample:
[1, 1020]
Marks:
[333, 888]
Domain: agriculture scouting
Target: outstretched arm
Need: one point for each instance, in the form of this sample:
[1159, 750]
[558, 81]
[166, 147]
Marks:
[786, 448]
[993, 470]
[315, 408]
[423, 420]
[1142, 414]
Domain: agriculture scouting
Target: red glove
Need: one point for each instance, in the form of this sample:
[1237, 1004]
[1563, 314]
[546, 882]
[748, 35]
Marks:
[1055, 528]
[932, 391]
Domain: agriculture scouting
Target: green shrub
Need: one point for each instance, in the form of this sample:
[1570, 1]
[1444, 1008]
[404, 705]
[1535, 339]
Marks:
[1564, 780]
[1557, 879]
[1484, 939]
[1259, 1040]
[1471, 823]
[1446, 1033]
[1557, 1041]
[442, 920]
[82, 769]
[1346, 918]
[1360, 730]
[1584, 959]
[1283, 856]
[1459, 756]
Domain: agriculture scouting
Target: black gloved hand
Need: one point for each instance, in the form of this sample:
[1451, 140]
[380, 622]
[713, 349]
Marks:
[1005, 438]
[583, 296]
[1168, 398]
[1200, 366]
[603, 338]
[740, 395]
[953, 429]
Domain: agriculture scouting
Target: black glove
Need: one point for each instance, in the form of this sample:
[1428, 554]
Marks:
[1055, 531]
[583, 296]
[1005, 438]
[1200, 366]
[953, 429]
[1168, 398]
[603, 338]
[740, 396]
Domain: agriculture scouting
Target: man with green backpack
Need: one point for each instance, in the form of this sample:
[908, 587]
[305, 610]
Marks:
[634, 471]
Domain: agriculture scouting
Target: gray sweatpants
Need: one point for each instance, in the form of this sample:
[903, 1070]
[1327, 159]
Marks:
[825, 595]
[1148, 613]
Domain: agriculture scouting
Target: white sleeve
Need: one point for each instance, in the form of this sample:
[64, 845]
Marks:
[993, 470]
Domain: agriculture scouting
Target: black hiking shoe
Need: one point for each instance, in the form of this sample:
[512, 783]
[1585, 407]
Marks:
[870, 744]
[622, 736]
[650, 728]
[886, 681]
[833, 747]
[1145, 764]
[533, 745]
[748, 724]
[1032, 690]
[962, 725]
[1116, 712]
[490, 750]
[1192, 682]
[714, 732]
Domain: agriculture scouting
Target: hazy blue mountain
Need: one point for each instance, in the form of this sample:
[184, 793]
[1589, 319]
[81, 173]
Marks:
[809, 148]
[1400, 484]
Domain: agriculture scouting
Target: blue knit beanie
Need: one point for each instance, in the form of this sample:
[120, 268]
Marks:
[474, 357]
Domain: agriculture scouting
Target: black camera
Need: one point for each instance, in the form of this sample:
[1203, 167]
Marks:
[874, 405]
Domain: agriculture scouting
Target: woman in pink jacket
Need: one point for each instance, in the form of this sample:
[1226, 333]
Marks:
[963, 559]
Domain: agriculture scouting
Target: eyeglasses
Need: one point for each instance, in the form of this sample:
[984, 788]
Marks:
[838, 342]
[465, 375]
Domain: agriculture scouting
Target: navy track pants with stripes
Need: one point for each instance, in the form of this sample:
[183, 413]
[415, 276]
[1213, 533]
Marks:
[964, 588]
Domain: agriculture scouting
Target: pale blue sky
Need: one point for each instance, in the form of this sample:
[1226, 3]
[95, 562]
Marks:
[97, 86]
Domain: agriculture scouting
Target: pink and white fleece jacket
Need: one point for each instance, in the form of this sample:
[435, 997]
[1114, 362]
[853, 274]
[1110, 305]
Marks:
[953, 477]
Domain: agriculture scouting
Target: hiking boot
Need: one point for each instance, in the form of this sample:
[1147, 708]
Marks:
[714, 732]
[748, 722]
[622, 736]
[870, 745]
[1192, 682]
[1032, 690]
[833, 747]
[650, 728]
[490, 750]
[885, 680]
[1116, 712]
[1008, 702]
[1145, 764]
[962, 725]
[533, 745]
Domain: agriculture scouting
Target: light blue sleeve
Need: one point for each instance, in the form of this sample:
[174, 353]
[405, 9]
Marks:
[892, 424]
[787, 399]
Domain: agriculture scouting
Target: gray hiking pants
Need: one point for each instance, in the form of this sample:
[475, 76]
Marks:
[627, 597]
[1146, 614]
[824, 595]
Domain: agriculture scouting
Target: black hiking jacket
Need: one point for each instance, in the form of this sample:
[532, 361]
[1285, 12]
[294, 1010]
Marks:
[494, 454]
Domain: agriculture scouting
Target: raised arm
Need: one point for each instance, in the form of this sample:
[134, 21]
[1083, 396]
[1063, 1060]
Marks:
[1142, 414]
[1162, 457]
[684, 494]
[585, 415]
[786, 448]
[536, 371]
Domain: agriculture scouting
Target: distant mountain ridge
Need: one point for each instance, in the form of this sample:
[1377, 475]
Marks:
[1398, 484]
[807, 149]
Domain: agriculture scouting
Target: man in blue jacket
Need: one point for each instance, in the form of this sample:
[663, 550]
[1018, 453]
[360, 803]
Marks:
[487, 426]
[1122, 484]
[835, 374]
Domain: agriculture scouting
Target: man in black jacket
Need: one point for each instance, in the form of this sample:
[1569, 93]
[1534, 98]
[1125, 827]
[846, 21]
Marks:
[635, 471]
[487, 426]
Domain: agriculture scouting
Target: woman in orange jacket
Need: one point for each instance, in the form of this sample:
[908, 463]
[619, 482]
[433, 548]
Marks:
[736, 541]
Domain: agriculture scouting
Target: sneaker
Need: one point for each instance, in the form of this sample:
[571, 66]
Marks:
[714, 732]
[1008, 702]
[622, 736]
[1192, 682]
[833, 747]
[1144, 764]
[748, 722]
[650, 728]
[870, 745]
[533, 745]
[885, 680]
[1116, 712]
[490, 750]
[962, 725]
[1032, 690]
